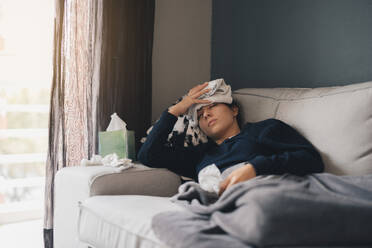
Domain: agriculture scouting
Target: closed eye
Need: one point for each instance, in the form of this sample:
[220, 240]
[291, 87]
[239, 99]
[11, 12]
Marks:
[202, 111]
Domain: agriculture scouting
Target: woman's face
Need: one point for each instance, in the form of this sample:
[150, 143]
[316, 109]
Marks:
[216, 119]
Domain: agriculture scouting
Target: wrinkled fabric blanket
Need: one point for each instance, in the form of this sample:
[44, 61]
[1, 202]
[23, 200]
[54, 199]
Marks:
[318, 210]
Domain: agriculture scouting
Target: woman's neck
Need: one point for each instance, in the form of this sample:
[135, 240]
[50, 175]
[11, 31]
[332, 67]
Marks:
[231, 132]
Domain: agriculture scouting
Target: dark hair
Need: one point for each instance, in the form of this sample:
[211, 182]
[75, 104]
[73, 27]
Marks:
[239, 116]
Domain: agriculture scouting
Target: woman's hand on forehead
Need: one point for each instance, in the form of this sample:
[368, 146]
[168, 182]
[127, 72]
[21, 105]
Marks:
[191, 98]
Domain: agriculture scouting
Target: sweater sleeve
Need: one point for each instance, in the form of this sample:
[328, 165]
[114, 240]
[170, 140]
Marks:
[291, 152]
[154, 153]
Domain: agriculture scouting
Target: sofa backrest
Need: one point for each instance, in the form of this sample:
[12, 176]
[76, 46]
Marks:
[336, 120]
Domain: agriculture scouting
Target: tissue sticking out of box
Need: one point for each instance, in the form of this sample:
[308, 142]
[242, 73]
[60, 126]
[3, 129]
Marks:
[116, 123]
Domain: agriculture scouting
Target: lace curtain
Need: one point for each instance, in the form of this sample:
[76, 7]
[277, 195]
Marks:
[102, 64]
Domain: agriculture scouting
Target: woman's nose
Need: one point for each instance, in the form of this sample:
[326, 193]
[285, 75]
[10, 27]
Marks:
[206, 113]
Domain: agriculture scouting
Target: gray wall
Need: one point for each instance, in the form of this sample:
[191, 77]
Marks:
[291, 43]
[181, 50]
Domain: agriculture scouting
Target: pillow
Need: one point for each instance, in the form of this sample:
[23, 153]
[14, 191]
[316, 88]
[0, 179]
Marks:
[182, 133]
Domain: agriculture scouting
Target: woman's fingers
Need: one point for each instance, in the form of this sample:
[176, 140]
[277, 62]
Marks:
[188, 100]
[196, 95]
[198, 88]
[231, 182]
[223, 185]
[202, 101]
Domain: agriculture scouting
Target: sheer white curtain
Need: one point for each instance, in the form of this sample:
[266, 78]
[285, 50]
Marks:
[72, 132]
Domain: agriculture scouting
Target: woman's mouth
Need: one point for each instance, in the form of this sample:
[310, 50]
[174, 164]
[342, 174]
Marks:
[211, 122]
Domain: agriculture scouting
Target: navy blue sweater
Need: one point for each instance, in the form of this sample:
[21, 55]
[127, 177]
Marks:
[271, 146]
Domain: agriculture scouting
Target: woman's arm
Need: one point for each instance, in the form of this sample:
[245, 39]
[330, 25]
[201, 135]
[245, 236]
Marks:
[292, 153]
[155, 153]
[179, 159]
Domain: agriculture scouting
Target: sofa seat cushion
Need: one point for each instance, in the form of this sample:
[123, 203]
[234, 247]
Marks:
[121, 221]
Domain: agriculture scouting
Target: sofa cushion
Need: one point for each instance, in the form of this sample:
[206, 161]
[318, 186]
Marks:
[121, 221]
[336, 120]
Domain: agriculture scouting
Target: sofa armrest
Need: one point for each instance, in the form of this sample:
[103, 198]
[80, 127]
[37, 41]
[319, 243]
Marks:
[75, 184]
[140, 180]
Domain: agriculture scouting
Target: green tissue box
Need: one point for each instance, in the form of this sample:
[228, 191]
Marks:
[115, 142]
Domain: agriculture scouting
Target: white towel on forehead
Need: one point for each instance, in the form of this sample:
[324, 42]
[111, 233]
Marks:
[220, 92]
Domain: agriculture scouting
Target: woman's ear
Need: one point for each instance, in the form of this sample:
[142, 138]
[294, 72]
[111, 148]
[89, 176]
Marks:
[235, 110]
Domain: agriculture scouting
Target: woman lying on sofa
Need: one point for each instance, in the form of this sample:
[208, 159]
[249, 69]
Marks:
[268, 147]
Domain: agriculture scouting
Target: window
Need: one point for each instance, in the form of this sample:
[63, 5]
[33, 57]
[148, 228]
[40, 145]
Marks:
[26, 40]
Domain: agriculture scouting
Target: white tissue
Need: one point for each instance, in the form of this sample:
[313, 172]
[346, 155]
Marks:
[116, 123]
[108, 160]
[209, 178]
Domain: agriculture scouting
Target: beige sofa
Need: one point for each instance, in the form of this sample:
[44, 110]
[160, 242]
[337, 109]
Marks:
[98, 207]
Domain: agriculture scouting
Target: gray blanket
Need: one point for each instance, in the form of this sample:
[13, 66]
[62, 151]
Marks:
[319, 210]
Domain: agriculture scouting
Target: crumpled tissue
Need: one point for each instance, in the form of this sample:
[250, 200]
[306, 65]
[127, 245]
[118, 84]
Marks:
[108, 160]
[209, 178]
